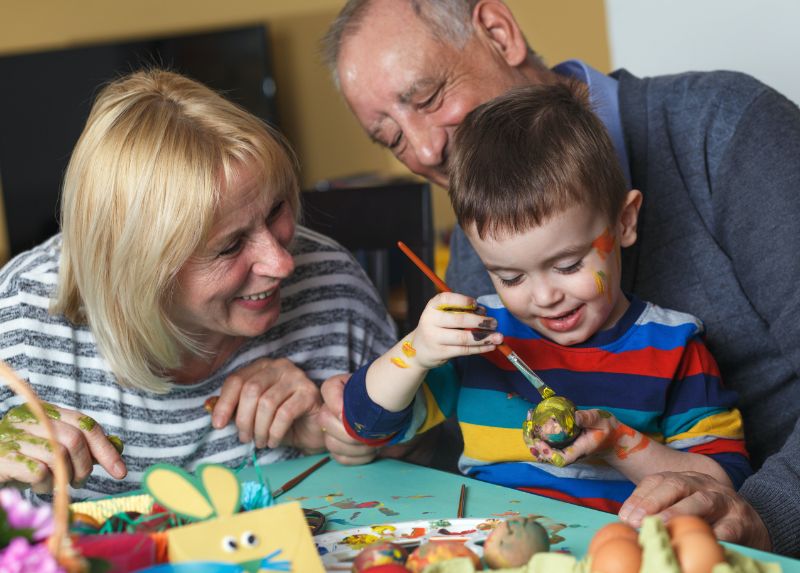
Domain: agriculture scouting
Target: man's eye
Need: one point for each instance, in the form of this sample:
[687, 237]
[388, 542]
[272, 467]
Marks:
[573, 268]
[431, 100]
[395, 142]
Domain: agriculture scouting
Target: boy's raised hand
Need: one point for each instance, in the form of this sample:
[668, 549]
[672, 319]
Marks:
[603, 435]
[452, 325]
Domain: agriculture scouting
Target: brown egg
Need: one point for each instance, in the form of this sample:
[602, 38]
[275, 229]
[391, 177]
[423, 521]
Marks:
[617, 555]
[698, 552]
[611, 531]
[681, 524]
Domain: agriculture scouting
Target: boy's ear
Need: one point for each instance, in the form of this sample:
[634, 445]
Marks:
[494, 22]
[629, 218]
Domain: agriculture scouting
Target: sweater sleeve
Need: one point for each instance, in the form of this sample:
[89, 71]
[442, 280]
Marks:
[372, 424]
[701, 416]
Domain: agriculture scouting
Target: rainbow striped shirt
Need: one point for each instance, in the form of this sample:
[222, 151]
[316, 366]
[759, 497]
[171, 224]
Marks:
[651, 370]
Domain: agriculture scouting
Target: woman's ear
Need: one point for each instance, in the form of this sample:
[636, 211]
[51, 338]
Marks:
[629, 218]
[494, 22]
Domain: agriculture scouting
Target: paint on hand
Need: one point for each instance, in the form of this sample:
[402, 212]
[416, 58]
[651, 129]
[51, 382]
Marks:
[604, 243]
[116, 441]
[408, 349]
[622, 452]
[399, 362]
[24, 414]
[451, 308]
[86, 423]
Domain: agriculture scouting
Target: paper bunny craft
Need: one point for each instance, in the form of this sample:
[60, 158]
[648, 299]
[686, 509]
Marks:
[271, 539]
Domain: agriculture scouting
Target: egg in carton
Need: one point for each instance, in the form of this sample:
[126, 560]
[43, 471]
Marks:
[685, 545]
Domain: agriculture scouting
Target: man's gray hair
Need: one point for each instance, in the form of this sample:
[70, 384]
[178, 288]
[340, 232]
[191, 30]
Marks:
[448, 20]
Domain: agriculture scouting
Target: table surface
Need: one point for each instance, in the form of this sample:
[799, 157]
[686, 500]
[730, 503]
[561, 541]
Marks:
[390, 491]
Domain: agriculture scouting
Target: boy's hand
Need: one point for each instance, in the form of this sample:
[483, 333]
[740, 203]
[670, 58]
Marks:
[451, 325]
[603, 435]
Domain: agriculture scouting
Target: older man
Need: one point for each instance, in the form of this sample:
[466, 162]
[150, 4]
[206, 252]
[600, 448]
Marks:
[715, 155]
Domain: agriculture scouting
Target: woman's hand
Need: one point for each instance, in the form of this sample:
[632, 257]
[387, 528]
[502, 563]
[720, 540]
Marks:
[690, 493]
[273, 403]
[26, 456]
[451, 325]
[602, 435]
[344, 449]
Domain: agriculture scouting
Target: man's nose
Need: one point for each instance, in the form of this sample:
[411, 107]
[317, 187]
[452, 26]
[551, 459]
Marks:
[271, 258]
[428, 143]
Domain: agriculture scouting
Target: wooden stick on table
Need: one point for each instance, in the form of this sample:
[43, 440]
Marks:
[300, 477]
[462, 501]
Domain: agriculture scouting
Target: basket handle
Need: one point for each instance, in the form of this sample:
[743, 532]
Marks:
[60, 482]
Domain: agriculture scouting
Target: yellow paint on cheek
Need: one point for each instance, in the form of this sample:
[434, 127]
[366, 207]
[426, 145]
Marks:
[598, 281]
[408, 349]
[399, 362]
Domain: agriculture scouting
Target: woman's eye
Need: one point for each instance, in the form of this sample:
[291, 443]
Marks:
[512, 281]
[232, 249]
[573, 268]
[276, 210]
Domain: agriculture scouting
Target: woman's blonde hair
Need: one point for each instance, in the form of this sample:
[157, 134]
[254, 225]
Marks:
[139, 198]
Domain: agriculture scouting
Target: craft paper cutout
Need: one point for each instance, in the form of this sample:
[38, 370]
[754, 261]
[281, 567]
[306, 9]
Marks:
[271, 539]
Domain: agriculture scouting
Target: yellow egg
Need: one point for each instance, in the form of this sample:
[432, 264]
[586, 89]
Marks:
[617, 555]
[611, 531]
[682, 524]
[698, 552]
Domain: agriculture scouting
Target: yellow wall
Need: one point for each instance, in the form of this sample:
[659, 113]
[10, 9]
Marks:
[328, 140]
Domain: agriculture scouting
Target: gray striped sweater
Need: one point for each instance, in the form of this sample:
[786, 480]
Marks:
[331, 321]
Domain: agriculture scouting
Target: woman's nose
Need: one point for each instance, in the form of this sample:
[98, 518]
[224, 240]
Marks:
[272, 259]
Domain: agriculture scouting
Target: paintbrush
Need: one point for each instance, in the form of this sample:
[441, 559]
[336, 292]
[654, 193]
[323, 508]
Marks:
[544, 390]
[300, 477]
[462, 501]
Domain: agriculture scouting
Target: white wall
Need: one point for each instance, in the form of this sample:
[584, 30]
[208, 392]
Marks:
[760, 37]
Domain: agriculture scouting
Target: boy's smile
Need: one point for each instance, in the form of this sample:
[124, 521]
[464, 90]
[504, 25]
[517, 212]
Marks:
[562, 278]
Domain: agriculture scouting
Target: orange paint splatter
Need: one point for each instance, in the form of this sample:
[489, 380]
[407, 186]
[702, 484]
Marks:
[409, 350]
[604, 243]
[399, 362]
[623, 452]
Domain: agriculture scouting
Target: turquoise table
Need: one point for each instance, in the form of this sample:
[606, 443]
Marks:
[389, 491]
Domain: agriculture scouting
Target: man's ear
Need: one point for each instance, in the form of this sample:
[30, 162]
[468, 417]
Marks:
[629, 218]
[494, 22]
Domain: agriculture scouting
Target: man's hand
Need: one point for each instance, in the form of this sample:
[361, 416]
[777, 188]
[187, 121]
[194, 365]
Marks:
[690, 493]
[26, 456]
[344, 449]
[272, 402]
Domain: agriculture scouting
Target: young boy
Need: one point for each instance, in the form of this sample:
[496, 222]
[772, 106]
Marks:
[537, 188]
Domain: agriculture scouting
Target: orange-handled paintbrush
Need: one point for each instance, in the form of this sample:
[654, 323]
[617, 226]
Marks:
[544, 390]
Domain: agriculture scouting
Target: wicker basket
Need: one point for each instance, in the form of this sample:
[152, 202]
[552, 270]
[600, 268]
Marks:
[57, 542]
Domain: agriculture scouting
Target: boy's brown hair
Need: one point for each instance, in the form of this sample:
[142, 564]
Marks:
[530, 154]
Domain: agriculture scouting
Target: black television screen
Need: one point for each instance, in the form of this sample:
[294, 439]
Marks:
[45, 99]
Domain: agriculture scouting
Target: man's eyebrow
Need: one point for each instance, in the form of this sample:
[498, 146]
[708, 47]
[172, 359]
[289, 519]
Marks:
[419, 85]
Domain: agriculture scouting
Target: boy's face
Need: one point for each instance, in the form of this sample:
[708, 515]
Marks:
[563, 278]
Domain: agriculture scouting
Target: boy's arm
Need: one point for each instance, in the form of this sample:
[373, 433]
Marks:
[701, 428]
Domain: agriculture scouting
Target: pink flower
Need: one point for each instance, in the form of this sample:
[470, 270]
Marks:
[21, 557]
[22, 515]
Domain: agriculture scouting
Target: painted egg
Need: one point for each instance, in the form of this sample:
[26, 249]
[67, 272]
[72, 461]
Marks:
[379, 554]
[618, 555]
[609, 532]
[553, 420]
[679, 525]
[388, 568]
[514, 542]
[698, 552]
[436, 551]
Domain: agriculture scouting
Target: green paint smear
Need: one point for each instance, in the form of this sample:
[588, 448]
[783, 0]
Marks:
[23, 413]
[86, 423]
[116, 441]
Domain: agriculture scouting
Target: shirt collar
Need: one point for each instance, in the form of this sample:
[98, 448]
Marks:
[604, 97]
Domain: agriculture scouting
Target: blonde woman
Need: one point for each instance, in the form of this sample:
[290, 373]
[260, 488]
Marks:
[180, 264]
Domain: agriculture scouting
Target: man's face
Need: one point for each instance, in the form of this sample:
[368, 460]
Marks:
[410, 91]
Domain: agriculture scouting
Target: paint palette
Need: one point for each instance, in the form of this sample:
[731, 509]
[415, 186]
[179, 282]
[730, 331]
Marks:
[339, 548]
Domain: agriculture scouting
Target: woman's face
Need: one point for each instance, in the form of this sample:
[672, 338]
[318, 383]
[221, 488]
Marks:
[230, 287]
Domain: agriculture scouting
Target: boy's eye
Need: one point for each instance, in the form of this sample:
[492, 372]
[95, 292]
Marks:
[573, 268]
[512, 281]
